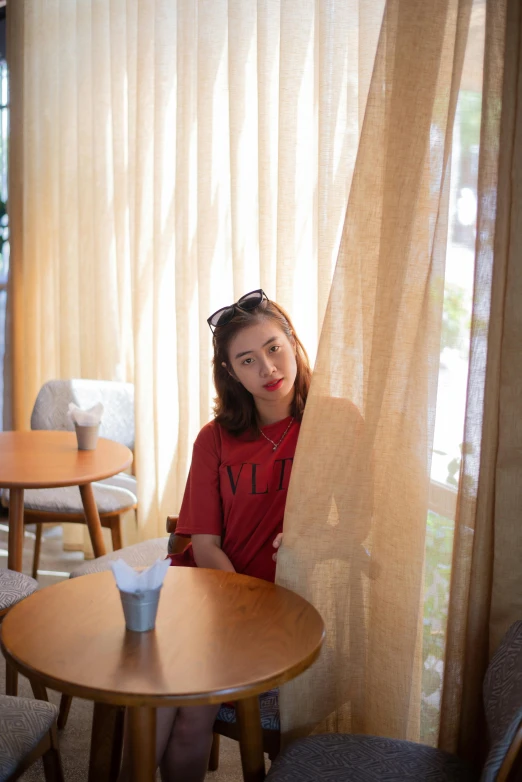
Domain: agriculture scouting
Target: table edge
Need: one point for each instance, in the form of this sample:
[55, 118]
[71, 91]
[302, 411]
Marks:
[99, 476]
[140, 699]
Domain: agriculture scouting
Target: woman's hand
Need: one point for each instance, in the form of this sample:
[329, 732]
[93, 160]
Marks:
[277, 542]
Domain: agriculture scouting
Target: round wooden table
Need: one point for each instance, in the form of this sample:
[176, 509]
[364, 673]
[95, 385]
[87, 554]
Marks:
[218, 637]
[47, 459]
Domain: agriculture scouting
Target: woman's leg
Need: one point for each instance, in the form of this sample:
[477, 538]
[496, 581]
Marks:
[186, 755]
[164, 721]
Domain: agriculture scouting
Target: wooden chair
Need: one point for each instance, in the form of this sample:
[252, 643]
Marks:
[226, 722]
[114, 496]
[13, 588]
[35, 737]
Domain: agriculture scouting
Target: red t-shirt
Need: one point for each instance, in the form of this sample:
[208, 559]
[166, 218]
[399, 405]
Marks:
[237, 489]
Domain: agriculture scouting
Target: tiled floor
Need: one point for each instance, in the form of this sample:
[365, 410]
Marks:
[55, 563]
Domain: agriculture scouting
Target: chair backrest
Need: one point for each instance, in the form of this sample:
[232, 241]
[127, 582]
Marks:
[52, 404]
[177, 543]
[503, 698]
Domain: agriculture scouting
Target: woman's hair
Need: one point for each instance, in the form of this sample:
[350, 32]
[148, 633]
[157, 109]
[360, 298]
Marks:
[234, 406]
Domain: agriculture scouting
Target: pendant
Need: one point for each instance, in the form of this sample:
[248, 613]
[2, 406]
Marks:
[275, 446]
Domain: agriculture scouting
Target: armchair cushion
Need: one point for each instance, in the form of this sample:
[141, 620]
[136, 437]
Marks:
[138, 555]
[14, 587]
[503, 683]
[342, 758]
[122, 480]
[499, 750]
[23, 724]
[67, 499]
[269, 707]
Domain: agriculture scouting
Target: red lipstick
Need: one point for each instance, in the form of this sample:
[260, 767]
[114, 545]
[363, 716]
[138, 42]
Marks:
[274, 386]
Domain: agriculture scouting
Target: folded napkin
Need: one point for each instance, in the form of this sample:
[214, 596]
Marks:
[90, 417]
[130, 580]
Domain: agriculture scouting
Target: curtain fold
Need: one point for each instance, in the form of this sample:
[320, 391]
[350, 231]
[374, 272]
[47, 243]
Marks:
[486, 591]
[366, 441]
[165, 159]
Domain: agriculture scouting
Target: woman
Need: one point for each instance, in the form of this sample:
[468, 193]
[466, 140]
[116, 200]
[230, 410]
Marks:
[235, 496]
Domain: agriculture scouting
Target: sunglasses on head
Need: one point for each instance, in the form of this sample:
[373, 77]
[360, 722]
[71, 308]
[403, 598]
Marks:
[246, 303]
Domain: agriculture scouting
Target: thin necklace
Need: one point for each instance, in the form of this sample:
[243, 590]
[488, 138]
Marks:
[281, 439]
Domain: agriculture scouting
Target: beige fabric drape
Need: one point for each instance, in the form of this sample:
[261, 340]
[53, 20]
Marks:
[366, 442]
[167, 157]
[371, 594]
[486, 595]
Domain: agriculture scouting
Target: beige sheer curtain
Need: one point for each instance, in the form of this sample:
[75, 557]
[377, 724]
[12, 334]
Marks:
[363, 564]
[167, 157]
[486, 595]
[365, 448]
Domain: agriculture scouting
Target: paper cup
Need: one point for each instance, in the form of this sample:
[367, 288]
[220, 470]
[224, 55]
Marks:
[87, 437]
[140, 609]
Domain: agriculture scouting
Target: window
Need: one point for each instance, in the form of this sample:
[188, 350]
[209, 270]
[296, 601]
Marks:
[453, 373]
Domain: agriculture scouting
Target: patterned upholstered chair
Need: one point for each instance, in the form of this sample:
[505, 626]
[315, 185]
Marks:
[27, 726]
[27, 732]
[340, 757]
[114, 496]
[138, 555]
[226, 725]
[13, 588]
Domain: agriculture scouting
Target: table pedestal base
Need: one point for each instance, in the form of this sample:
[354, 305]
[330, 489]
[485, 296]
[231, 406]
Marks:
[106, 743]
[142, 738]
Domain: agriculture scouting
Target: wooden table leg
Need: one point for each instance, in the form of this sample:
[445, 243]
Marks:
[39, 691]
[15, 543]
[106, 743]
[93, 520]
[11, 679]
[251, 739]
[65, 707]
[142, 742]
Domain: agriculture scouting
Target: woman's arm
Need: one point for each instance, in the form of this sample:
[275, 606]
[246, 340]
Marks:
[208, 553]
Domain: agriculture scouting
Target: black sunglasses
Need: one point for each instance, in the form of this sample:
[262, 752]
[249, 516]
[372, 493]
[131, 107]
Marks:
[246, 303]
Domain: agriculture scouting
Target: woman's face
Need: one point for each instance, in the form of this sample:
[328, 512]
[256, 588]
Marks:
[263, 359]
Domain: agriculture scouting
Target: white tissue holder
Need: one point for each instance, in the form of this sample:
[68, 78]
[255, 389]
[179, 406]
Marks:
[87, 437]
[140, 592]
[86, 424]
[140, 609]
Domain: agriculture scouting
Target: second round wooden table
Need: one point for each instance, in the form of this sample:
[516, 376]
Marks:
[41, 459]
[218, 637]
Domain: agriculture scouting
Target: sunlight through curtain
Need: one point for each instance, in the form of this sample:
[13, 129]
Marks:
[486, 593]
[166, 157]
[372, 405]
